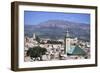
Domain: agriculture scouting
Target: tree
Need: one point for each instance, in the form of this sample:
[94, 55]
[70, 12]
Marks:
[36, 52]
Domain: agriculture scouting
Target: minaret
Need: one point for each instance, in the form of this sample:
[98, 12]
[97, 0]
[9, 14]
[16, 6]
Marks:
[34, 36]
[67, 42]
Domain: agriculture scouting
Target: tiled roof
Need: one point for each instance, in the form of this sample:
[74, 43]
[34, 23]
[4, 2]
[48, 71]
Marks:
[78, 51]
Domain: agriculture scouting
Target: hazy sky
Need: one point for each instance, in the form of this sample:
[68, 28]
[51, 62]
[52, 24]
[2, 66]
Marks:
[36, 17]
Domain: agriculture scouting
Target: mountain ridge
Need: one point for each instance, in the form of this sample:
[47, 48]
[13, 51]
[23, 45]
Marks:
[56, 29]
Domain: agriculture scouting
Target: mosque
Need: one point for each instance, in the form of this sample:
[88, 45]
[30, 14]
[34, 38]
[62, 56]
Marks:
[72, 46]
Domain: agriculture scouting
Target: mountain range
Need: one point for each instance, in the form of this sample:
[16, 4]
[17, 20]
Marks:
[55, 29]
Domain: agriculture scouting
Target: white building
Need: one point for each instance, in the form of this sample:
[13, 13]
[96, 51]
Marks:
[67, 42]
[34, 36]
[70, 43]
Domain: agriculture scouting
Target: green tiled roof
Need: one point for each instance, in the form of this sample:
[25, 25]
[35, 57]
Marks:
[78, 51]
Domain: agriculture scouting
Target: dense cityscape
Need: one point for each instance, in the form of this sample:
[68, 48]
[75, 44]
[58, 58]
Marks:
[46, 49]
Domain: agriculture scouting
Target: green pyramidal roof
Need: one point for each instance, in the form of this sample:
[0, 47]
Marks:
[78, 51]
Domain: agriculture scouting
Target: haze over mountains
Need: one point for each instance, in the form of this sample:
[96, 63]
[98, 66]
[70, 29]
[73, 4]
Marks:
[55, 29]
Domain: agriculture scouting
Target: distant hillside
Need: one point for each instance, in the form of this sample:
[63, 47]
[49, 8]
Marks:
[55, 29]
